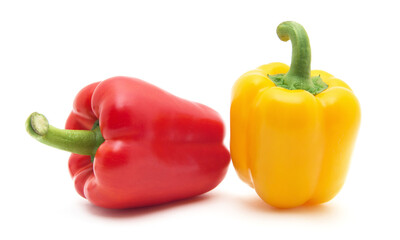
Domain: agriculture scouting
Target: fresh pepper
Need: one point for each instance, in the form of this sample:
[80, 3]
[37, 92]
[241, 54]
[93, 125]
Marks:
[134, 144]
[292, 129]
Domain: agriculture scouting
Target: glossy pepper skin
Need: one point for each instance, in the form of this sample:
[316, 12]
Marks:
[291, 145]
[148, 147]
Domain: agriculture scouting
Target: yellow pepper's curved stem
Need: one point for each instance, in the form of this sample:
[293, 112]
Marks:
[300, 67]
[299, 75]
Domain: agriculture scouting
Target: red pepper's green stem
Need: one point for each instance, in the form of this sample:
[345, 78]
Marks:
[299, 74]
[84, 142]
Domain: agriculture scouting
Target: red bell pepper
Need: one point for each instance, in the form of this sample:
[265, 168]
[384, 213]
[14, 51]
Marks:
[134, 144]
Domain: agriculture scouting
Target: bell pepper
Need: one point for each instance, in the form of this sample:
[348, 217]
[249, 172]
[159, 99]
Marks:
[135, 145]
[292, 129]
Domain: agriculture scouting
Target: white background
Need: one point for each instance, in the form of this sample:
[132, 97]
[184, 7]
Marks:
[196, 50]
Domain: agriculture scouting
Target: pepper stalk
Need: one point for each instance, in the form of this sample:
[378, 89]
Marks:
[83, 142]
[299, 74]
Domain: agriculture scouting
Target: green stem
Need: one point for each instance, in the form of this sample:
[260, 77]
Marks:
[299, 74]
[84, 142]
[300, 67]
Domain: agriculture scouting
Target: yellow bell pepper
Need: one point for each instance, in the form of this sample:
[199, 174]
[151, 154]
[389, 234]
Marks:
[292, 129]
